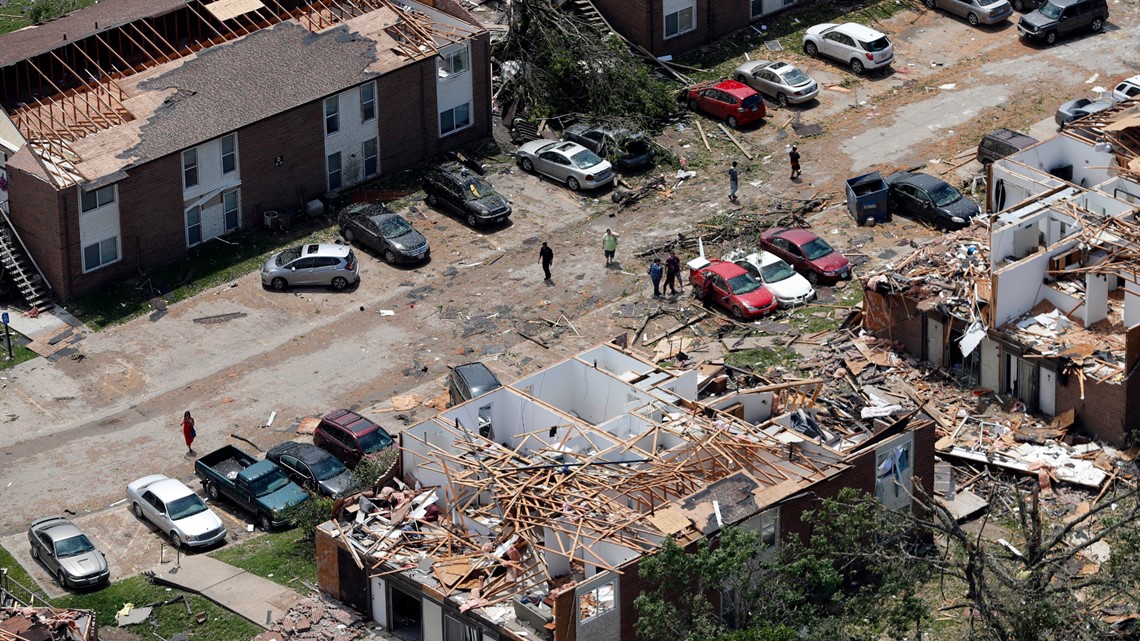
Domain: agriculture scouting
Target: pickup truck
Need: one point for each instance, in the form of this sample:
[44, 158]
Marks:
[257, 486]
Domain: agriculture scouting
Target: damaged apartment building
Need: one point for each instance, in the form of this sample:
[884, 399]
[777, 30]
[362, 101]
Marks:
[525, 513]
[134, 131]
[1041, 306]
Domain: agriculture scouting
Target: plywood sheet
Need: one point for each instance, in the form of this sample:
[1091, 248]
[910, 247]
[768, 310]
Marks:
[669, 520]
[228, 9]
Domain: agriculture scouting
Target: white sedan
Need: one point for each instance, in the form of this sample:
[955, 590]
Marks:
[176, 510]
[567, 162]
[789, 288]
[783, 82]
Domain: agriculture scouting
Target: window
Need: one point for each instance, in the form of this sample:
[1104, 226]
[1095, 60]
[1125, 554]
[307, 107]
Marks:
[230, 208]
[596, 602]
[680, 17]
[189, 168]
[367, 101]
[456, 630]
[193, 226]
[334, 171]
[770, 528]
[90, 200]
[371, 153]
[454, 119]
[229, 153]
[101, 253]
[894, 470]
[453, 63]
[332, 115]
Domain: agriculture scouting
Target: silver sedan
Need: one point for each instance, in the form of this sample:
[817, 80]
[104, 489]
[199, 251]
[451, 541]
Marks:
[67, 552]
[566, 162]
[975, 11]
[779, 80]
[176, 510]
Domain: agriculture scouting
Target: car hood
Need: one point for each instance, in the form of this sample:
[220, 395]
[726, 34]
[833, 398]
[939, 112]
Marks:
[288, 496]
[1036, 19]
[831, 262]
[199, 524]
[963, 208]
[791, 288]
[338, 484]
[85, 564]
[759, 298]
[410, 240]
[490, 202]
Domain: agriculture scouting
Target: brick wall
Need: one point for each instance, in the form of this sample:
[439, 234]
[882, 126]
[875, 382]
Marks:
[1104, 411]
[642, 22]
[37, 211]
[297, 137]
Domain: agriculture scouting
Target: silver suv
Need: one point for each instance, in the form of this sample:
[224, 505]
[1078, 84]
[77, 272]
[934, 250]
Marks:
[314, 264]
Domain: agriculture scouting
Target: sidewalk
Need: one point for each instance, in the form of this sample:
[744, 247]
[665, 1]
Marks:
[260, 600]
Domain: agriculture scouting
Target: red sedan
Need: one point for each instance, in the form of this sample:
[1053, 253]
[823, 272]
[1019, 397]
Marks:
[731, 101]
[731, 287]
[809, 254]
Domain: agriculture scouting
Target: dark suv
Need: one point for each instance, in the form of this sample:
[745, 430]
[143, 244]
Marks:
[350, 437]
[455, 187]
[469, 380]
[1063, 17]
[1000, 143]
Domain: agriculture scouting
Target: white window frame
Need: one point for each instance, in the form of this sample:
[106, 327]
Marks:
[339, 171]
[332, 115]
[677, 8]
[454, 63]
[232, 155]
[452, 111]
[894, 487]
[102, 245]
[374, 157]
[236, 194]
[599, 610]
[190, 168]
[368, 107]
[189, 241]
[98, 195]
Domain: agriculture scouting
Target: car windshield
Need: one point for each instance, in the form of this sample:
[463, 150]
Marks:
[585, 159]
[776, 272]
[743, 284]
[1050, 10]
[878, 44]
[72, 546]
[375, 441]
[817, 248]
[794, 77]
[326, 468]
[288, 256]
[476, 188]
[186, 506]
[944, 194]
[751, 101]
[986, 3]
[394, 227]
[269, 483]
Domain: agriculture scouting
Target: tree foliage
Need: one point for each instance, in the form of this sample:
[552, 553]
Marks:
[44, 10]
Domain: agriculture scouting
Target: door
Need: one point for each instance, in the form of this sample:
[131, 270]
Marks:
[838, 45]
[379, 591]
[935, 331]
[47, 554]
[301, 271]
[1047, 398]
[554, 164]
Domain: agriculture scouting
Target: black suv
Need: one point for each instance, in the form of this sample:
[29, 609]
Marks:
[462, 191]
[1000, 143]
[1063, 17]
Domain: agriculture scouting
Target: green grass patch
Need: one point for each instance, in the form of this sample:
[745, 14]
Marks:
[761, 359]
[220, 625]
[281, 557]
[17, 14]
[19, 353]
[17, 573]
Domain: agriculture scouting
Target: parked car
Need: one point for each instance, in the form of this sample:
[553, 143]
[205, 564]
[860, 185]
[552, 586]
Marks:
[258, 487]
[930, 199]
[731, 287]
[631, 151]
[1079, 108]
[312, 468]
[860, 47]
[1027, 5]
[67, 553]
[809, 254]
[1000, 143]
[467, 381]
[782, 81]
[453, 186]
[566, 161]
[1058, 18]
[975, 12]
[384, 232]
[313, 264]
[1128, 89]
[778, 277]
[176, 510]
[733, 102]
[351, 437]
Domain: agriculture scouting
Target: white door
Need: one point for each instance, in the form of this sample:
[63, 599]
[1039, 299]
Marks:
[379, 601]
[213, 219]
[1047, 391]
[935, 331]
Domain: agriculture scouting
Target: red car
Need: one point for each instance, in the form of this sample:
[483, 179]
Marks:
[731, 101]
[809, 254]
[351, 437]
[730, 286]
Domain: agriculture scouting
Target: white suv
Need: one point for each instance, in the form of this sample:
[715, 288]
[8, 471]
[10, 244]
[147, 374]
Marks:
[852, 44]
[1128, 89]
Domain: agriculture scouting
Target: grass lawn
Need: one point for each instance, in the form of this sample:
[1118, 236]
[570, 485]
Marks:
[17, 574]
[19, 353]
[277, 556]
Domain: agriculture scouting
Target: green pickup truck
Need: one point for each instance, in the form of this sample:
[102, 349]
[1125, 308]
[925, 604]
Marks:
[259, 487]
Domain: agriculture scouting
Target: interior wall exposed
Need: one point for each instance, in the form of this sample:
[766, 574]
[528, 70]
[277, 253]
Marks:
[614, 361]
[756, 407]
[1089, 167]
[580, 390]
[1019, 287]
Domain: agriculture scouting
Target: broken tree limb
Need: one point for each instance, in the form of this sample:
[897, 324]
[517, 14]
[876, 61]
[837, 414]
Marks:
[242, 438]
[704, 138]
[734, 140]
[695, 319]
[534, 339]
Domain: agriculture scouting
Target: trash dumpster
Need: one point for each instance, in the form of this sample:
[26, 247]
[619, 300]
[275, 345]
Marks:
[867, 198]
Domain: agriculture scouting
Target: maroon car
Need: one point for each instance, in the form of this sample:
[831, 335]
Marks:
[350, 437]
[731, 287]
[809, 254]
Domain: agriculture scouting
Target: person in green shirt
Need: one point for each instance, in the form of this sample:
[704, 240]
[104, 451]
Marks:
[609, 245]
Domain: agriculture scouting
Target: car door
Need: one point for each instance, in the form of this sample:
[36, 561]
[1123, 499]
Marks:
[453, 195]
[957, 7]
[334, 442]
[154, 509]
[720, 293]
[782, 248]
[750, 268]
[297, 470]
[47, 552]
[767, 82]
[301, 271]
[595, 141]
[837, 45]
[557, 165]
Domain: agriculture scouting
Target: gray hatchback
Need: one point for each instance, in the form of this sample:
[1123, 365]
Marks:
[314, 264]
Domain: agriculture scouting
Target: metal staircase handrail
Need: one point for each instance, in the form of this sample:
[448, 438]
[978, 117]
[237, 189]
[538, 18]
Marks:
[27, 253]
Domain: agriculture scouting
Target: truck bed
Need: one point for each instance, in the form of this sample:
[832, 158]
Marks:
[229, 468]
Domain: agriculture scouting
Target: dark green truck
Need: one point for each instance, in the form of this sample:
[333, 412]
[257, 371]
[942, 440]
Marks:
[259, 487]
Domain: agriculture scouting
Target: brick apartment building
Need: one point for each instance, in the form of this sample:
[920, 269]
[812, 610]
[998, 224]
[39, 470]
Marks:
[671, 27]
[133, 131]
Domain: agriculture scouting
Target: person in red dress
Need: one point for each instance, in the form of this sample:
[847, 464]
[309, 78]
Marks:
[188, 433]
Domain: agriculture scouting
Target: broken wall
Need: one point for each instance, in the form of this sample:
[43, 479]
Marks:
[894, 317]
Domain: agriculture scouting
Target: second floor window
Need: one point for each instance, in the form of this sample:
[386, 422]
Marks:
[229, 153]
[190, 168]
[454, 62]
[91, 200]
[332, 115]
[367, 102]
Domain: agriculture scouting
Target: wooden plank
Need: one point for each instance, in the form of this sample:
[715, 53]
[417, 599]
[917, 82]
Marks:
[704, 138]
[734, 140]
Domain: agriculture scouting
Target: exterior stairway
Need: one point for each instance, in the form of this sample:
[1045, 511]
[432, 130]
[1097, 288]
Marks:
[15, 263]
[588, 12]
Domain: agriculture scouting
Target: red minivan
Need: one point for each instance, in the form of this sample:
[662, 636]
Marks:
[350, 437]
[733, 102]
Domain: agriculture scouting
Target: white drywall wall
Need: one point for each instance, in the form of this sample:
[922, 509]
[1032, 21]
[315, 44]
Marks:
[1019, 287]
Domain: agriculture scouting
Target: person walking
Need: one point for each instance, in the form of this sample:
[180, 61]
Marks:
[733, 182]
[609, 246]
[188, 432]
[794, 158]
[655, 271]
[673, 272]
[546, 257]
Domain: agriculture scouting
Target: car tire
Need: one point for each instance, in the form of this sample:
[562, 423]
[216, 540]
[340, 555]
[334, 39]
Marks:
[279, 284]
[432, 201]
[212, 491]
[389, 257]
[62, 578]
[1019, 5]
[263, 523]
[731, 122]
[527, 164]
[1097, 25]
[810, 49]
[176, 541]
[472, 221]
[929, 3]
[339, 283]
[35, 553]
[741, 79]
[857, 67]
[137, 509]
[737, 314]
[782, 100]
[973, 19]
[1051, 37]
[573, 183]
[813, 278]
[348, 235]
[693, 105]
